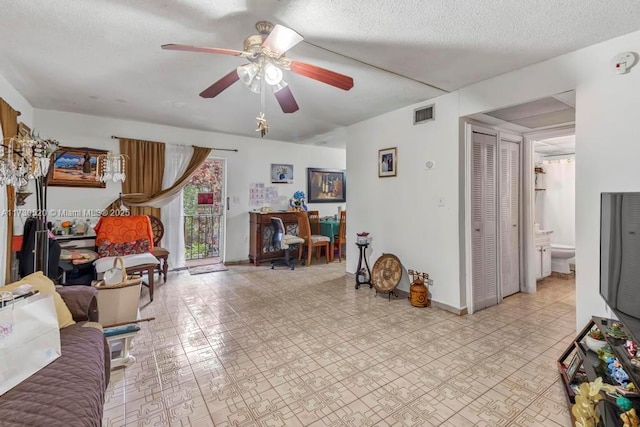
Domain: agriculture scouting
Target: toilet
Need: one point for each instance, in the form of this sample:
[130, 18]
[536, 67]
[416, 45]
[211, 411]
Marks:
[560, 257]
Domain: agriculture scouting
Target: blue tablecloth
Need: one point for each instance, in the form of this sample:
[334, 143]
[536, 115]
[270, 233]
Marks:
[329, 228]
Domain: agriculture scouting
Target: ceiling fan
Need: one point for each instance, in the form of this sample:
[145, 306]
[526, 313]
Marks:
[266, 54]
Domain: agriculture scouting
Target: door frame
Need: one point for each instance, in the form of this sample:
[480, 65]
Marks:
[222, 240]
[529, 207]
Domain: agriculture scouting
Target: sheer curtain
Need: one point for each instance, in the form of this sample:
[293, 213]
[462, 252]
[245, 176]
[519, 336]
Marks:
[4, 226]
[560, 200]
[177, 158]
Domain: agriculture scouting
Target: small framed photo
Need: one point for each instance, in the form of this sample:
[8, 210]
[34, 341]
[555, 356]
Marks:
[205, 198]
[281, 173]
[387, 162]
[573, 366]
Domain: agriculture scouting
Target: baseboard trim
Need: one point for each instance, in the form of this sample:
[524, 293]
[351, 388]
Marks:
[455, 310]
[238, 262]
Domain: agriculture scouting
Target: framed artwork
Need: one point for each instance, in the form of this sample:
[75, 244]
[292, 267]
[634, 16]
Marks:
[573, 366]
[281, 174]
[75, 167]
[326, 185]
[387, 162]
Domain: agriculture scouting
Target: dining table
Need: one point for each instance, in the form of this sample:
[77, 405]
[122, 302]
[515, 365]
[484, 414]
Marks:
[329, 227]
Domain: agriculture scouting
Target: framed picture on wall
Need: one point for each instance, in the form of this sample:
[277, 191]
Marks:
[326, 185]
[281, 173]
[387, 162]
[75, 167]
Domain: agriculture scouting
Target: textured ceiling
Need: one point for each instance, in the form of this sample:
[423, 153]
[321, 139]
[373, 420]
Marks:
[103, 57]
[532, 116]
[561, 146]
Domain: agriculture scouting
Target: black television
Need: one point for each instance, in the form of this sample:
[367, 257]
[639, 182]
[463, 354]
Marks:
[620, 257]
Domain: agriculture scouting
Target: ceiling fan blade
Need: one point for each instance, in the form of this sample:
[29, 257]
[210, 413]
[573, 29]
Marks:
[281, 39]
[216, 88]
[187, 48]
[286, 100]
[322, 75]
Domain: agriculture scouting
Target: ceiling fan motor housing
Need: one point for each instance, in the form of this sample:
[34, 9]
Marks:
[253, 43]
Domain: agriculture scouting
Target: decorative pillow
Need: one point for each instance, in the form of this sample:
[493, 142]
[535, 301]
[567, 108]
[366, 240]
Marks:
[43, 284]
[106, 248]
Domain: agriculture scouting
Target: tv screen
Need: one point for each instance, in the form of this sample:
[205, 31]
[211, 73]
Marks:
[620, 257]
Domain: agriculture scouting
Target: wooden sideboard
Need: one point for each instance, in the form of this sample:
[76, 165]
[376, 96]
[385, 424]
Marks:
[261, 234]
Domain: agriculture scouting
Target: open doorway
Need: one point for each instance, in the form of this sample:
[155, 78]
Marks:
[204, 215]
[554, 206]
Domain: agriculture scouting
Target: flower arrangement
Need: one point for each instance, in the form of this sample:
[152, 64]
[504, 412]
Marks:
[297, 202]
[299, 195]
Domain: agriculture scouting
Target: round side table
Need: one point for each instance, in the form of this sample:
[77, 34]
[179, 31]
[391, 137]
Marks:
[363, 247]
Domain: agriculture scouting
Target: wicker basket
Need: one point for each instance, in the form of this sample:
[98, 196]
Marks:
[119, 302]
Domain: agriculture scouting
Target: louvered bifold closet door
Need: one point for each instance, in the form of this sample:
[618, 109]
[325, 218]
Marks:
[509, 217]
[484, 220]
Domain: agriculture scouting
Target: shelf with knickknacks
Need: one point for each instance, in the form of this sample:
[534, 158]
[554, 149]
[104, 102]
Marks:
[418, 291]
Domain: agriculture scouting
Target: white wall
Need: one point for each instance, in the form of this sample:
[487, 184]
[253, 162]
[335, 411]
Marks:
[250, 164]
[17, 102]
[401, 212]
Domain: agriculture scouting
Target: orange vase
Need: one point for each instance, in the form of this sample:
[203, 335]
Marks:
[418, 294]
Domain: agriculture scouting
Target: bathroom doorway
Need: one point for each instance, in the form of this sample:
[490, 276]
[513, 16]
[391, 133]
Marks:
[554, 206]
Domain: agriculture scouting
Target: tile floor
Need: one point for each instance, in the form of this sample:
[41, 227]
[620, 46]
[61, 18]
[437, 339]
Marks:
[258, 347]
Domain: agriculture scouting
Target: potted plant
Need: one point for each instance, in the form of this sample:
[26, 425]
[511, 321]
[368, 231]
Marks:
[595, 340]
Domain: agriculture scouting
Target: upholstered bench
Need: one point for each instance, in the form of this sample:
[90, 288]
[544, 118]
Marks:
[137, 263]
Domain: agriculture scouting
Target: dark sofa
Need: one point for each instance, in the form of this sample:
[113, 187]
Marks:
[70, 391]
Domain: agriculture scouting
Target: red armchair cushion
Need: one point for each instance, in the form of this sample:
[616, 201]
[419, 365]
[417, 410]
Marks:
[106, 248]
[124, 229]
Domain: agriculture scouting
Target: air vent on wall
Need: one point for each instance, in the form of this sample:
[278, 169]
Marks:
[423, 114]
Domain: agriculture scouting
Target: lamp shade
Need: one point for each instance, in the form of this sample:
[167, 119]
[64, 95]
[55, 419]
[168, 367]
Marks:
[256, 84]
[247, 72]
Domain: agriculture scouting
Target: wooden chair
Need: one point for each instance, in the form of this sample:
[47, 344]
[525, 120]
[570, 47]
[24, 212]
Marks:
[311, 240]
[161, 253]
[314, 221]
[341, 238]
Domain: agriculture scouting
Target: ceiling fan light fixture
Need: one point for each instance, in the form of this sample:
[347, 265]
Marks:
[248, 72]
[272, 74]
[256, 84]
